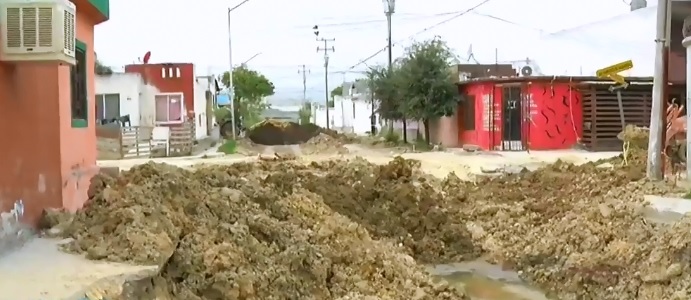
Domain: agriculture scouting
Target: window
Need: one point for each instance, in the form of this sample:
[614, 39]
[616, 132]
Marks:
[169, 108]
[79, 101]
[107, 107]
[469, 112]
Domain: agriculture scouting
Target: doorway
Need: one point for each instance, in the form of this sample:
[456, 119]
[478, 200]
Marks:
[511, 126]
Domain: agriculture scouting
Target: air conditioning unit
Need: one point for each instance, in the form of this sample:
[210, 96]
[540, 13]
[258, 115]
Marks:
[526, 67]
[38, 30]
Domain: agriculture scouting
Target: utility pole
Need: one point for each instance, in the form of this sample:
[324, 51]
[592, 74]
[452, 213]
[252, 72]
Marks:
[231, 91]
[654, 169]
[304, 71]
[326, 51]
[389, 10]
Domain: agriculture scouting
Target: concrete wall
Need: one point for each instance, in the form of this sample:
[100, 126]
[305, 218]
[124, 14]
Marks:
[346, 116]
[129, 87]
[49, 158]
[201, 86]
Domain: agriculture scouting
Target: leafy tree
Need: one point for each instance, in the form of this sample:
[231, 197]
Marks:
[305, 113]
[426, 83]
[101, 69]
[337, 91]
[385, 85]
[250, 88]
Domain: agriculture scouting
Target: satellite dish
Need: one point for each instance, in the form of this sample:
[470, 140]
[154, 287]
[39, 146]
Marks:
[526, 71]
[147, 57]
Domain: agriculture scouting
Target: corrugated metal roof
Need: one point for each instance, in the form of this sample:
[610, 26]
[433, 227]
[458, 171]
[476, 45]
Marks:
[585, 49]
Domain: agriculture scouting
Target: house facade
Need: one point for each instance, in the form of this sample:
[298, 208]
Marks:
[50, 156]
[158, 95]
[520, 113]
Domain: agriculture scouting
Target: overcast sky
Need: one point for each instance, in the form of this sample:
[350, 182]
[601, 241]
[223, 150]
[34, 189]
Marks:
[196, 31]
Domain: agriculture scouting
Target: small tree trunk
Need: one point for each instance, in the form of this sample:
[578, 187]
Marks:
[427, 137]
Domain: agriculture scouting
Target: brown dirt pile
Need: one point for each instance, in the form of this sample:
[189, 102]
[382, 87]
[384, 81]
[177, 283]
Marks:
[579, 232]
[249, 231]
[323, 144]
[275, 132]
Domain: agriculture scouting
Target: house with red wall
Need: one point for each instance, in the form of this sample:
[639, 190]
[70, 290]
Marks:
[163, 94]
[520, 113]
[174, 101]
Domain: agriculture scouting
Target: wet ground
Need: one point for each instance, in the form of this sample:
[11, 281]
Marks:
[484, 281]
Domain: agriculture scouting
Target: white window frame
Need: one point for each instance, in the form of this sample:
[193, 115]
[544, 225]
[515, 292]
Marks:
[183, 113]
[102, 99]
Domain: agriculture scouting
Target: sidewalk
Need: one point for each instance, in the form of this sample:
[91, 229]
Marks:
[40, 271]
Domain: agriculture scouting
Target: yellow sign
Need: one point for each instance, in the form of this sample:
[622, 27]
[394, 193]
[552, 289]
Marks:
[614, 69]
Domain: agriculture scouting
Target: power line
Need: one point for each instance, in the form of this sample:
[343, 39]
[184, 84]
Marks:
[364, 61]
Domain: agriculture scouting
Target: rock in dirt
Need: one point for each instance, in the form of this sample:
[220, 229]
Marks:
[256, 231]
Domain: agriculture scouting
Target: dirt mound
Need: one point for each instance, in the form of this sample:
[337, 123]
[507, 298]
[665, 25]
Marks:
[578, 231]
[636, 136]
[251, 231]
[343, 228]
[273, 132]
[323, 144]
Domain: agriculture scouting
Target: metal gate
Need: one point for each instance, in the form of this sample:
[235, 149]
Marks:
[512, 117]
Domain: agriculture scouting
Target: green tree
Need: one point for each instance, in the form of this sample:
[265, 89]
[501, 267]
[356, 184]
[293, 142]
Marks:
[305, 113]
[385, 85]
[426, 83]
[250, 88]
[101, 69]
[337, 91]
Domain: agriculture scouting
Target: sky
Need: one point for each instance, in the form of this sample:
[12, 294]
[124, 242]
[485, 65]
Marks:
[280, 33]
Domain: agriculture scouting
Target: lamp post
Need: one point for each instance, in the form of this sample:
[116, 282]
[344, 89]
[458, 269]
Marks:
[389, 10]
[231, 91]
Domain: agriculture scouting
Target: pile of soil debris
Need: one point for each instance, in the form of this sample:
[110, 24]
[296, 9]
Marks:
[272, 132]
[348, 229]
[323, 144]
[251, 231]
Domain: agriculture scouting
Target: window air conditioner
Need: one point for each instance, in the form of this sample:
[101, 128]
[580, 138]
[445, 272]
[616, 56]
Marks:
[38, 30]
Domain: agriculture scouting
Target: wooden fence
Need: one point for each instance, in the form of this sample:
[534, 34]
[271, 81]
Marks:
[602, 118]
[115, 142]
[182, 139]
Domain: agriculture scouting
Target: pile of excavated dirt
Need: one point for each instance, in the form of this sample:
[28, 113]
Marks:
[323, 144]
[285, 230]
[255, 231]
[579, 232]
[274, 132]
[575, 231]
[636, 136]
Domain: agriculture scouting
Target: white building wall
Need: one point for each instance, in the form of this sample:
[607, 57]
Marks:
[201, 86]
[138, 99]
[127, 86]
[346, 116]
[147, 105]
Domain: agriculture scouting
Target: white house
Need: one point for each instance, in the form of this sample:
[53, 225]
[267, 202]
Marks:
[123, 94]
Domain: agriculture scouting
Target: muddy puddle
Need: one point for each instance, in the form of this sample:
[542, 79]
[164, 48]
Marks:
[484, 281]
[662, 217]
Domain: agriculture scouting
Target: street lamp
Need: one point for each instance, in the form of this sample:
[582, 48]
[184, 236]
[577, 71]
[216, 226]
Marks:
[231, 90]
[389, 10]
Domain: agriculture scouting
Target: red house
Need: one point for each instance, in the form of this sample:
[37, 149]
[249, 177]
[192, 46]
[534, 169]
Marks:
[175, 84]
[520, 113]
